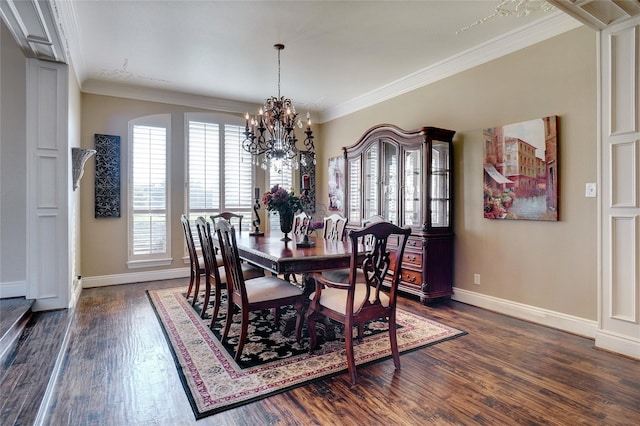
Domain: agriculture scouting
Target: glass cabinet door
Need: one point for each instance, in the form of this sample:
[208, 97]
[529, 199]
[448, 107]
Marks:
[371, 180]
[354, 186]
[389, 206]
[440, 177]
[412, 190]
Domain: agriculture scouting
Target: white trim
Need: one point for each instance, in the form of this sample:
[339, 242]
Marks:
[13, 289]
[107, 88]
[135, 277]
[558, 320]
[149, 263]
[618, 343]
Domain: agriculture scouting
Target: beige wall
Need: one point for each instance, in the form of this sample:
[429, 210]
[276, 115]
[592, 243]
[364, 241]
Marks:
[550, 265]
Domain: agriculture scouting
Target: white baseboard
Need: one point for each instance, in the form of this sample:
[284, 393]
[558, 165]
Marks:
[134, 277]
[617, 343]
[13, 289]
[558, 320]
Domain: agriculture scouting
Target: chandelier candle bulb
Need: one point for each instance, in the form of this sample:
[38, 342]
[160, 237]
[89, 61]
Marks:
[306, 182]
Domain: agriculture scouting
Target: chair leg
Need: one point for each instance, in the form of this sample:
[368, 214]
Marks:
[360, 332]
[393, 337]
[207, 296]
[216, 305]
[351, 362]
[192, 278]
[196, 290]
[230, 308]
[311, 326]
[244, 325]
[298, 307]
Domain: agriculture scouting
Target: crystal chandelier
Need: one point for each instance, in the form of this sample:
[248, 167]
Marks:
[270, 135]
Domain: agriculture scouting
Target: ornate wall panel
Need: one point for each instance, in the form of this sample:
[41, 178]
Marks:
[107, 190]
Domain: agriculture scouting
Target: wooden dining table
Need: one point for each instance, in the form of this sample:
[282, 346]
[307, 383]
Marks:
[280, 257]
[269, 252]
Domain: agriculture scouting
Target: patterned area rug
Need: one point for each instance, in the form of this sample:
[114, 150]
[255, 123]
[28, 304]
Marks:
[271, 362]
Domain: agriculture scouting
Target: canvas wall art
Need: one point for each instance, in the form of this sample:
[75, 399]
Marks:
[521, 170]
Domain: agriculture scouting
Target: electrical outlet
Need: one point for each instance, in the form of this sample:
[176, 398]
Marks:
[476, 279]
[590, 190]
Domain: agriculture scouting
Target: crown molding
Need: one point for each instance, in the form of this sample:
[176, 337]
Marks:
[555, 24]
[108, 88]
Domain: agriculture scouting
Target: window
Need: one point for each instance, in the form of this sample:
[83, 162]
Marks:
[219, 171]
[148, 210]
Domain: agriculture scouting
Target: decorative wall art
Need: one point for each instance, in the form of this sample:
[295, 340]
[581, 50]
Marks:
[336, 183]
[107, 190]
[79, 156]
[521, 170]
[308, 168]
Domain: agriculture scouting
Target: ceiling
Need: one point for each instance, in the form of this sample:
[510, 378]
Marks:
[340, 56]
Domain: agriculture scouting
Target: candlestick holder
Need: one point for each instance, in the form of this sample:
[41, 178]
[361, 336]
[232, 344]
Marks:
[306, 242]
[256, 221]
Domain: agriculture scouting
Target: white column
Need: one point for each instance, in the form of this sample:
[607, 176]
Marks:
[49, 278]
[619, 218]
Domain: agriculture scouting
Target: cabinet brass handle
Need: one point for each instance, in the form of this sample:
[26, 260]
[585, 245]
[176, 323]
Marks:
[410, 279]
[411, 258]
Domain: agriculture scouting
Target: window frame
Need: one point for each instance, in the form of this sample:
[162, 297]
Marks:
[221, 120]
[153, 259]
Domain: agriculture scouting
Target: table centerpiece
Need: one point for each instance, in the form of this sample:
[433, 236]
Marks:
[286, 204]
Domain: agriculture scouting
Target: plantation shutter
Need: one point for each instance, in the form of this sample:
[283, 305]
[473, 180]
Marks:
[149, 189]
[204, 168]
[237, 175]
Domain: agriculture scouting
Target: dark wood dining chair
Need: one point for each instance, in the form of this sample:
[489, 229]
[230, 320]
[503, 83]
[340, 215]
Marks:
[267, 292]
[195, 262]
[301, 223]
[361, 300]
[334, 227]
[229, 217]
[215, 277]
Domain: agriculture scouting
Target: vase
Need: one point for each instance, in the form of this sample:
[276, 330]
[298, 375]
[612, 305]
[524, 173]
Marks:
[286, 224]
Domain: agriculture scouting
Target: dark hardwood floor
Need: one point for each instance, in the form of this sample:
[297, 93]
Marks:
[119, 371]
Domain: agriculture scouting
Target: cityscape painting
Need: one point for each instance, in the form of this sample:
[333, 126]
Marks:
[521, 170]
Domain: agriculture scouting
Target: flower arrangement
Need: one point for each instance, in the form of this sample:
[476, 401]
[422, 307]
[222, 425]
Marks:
[282, 201]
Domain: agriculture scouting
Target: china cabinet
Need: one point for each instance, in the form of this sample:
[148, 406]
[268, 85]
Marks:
[406, 177]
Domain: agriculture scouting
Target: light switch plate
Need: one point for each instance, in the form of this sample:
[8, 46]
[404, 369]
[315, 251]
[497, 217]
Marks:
[590, 190]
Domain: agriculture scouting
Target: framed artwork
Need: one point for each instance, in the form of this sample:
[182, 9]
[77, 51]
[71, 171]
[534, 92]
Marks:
[107, 190]
[336, 183]
[521, 170]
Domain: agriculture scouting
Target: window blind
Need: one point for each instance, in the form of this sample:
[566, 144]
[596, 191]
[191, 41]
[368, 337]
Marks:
[149, 189]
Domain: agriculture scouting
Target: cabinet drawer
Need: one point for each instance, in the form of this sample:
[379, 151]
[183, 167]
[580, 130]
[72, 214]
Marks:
[411, 277]
[412, 258]
[414, 243]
